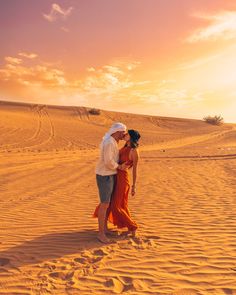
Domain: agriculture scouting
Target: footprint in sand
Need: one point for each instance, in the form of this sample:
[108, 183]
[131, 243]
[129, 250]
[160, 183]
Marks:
[63, 276]
[99, 252]
[124, 284]
[4, 261]
[228, 291]
[80, 260]
[116, 285]
[90, 257]
[80, 267]
[98, 255]
[144, 242]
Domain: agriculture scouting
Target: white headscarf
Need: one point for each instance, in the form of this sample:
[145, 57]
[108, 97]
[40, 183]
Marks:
[114, 128]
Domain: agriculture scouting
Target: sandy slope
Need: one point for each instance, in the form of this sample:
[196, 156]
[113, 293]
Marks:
[185, 206]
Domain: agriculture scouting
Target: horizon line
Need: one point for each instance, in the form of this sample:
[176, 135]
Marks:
[89, 107]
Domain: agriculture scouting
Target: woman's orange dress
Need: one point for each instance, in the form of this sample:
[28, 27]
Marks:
[118, 212]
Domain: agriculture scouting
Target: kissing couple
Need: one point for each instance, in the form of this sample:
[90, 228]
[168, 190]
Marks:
[113, 180]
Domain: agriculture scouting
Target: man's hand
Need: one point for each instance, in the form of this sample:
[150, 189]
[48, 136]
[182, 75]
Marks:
[123, 166]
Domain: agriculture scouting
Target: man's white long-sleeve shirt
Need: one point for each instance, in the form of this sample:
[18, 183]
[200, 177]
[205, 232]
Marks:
[109, 157]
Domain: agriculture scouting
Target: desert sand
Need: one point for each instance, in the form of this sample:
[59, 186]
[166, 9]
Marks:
[185, 206]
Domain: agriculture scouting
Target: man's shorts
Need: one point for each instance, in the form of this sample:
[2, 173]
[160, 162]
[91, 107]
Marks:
[105, 187]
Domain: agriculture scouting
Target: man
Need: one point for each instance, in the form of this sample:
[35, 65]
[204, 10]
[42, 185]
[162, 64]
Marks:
[106, 170]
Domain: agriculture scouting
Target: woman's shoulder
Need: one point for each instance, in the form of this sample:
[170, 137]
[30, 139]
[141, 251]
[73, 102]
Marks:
[134, 152]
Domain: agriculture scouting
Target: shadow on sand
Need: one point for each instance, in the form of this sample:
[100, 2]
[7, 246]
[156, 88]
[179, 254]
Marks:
[47, 247]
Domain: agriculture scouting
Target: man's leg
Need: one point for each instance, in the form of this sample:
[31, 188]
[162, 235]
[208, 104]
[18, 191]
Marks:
[106, 219]
[107, 230]
[108, 211]
[102, 219]
[105, 185]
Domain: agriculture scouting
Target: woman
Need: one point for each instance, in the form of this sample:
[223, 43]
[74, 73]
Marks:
[118, 212]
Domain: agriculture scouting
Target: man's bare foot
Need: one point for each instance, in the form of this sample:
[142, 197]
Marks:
[106, 229]
[103, 239]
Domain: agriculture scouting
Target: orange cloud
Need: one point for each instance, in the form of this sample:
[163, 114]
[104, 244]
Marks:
[107, 80]
[57, 13]
[221, 26]
[111, 86]
[28, 55]
[13, 60]
[16, 72]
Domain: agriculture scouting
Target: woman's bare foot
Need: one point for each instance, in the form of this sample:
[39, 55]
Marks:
[133, 233]
[112, 233]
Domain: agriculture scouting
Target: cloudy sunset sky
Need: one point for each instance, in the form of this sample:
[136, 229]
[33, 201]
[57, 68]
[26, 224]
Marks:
[160, 57]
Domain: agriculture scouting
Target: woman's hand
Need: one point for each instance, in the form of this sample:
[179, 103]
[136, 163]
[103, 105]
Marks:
[133, 190]
[123, 166]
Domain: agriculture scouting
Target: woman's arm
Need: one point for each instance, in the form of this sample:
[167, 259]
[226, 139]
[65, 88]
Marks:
[134, 157]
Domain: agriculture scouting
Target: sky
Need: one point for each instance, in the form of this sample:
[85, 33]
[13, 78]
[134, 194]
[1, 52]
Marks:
[172, 58]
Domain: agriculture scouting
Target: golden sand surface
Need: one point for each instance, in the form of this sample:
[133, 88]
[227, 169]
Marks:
[185, 206]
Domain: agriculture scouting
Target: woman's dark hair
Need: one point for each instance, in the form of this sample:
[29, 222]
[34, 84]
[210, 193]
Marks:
[134, 138]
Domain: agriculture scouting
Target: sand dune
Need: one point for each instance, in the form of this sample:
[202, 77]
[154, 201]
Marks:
[185, 206]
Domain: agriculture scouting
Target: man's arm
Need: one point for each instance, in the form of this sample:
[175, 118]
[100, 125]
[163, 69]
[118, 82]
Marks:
[108, 154]
[110, 163]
